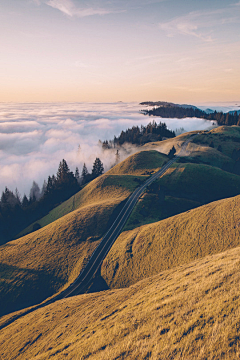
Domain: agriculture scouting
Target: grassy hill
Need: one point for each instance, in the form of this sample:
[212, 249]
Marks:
[41, 263]
[184, 187]
[199, 149]
[188, 313]
[148, 161]
[141, 163]
[97, 191]
[149, 249]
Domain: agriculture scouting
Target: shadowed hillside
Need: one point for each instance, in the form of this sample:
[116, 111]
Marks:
[181, 188]
[188, 313]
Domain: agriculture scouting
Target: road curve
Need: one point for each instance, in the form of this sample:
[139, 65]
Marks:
[83, 280]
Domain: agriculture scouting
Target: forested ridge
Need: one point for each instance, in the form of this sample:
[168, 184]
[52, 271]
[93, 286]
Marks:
[180, 112]
[141, 135]
[16, 213]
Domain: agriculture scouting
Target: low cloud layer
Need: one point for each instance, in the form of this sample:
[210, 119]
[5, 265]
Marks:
[35, 137]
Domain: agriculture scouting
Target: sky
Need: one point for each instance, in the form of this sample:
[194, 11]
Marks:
[119, 50]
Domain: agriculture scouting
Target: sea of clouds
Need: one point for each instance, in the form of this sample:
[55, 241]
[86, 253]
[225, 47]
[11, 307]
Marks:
[35, 137]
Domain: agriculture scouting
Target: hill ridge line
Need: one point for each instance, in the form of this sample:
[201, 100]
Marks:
[106, 243]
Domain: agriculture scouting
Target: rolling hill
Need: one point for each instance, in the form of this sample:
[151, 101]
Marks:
[174, 282]
[190, 312]
[149, 249]
[39, 264]
[108, 185]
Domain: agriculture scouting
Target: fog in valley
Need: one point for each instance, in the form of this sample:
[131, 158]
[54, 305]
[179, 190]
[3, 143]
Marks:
[35, 137]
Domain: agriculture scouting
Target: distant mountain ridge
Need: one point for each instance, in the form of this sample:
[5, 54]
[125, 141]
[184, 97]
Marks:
[165, 109]
[167, 104]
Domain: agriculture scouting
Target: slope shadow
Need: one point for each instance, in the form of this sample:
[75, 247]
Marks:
[21, 287]
[98, 284]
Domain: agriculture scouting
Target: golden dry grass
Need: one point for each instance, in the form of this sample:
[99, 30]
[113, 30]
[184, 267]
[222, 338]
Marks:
[140, 163]
[178, 240]
[97, 191]
[188, 313]
[41, 263]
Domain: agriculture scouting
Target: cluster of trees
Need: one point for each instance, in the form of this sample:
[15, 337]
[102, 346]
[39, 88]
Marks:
[140, 135]
[181, 112]
[17, 213]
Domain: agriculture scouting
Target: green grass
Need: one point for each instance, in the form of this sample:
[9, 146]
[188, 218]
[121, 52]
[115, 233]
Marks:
[200, 182]
[226, 136]
[188, 313]
[97, 191]
[150, 209]
[186, 186]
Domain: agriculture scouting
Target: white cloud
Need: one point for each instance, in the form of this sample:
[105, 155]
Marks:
[186, 25]
[34, 138]
[69, 8]
[200, 24]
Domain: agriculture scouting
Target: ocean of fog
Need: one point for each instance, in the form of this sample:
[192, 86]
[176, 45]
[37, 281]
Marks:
[35, 137]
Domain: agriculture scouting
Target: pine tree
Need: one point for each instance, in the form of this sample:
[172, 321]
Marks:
[63, 171]
[84, 174]
[98, 168]
[34, 192]
[117, 155]
[172, 152]
[77, 176]
[25, 201]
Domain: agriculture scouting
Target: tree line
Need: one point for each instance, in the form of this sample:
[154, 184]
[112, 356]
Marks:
[140, 135]
[16, 213]
[232, 118]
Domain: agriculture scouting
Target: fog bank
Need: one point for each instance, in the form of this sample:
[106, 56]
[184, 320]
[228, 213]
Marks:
[35, 137]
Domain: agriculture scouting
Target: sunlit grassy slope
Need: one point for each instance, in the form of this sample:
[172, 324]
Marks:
[39, 264]
[188, 313]
[140, 163]
[97, 191]
[178, 240]
[226, 136]
[199, 150]
[148, 161]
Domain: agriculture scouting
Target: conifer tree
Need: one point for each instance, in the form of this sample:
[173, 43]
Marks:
[34, 192]
[98, 168]
[77, 176]
[84, 174]
[25, 201]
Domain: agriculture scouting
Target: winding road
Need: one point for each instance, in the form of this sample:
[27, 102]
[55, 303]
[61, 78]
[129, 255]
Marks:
[84, 279]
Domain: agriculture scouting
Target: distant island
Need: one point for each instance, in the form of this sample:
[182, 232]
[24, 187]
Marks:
[170, 110]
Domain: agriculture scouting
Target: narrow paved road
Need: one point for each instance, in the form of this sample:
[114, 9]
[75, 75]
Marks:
[82, 282]
[84, 279]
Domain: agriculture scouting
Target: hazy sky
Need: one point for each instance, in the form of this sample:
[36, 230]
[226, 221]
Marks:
[111, 50]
